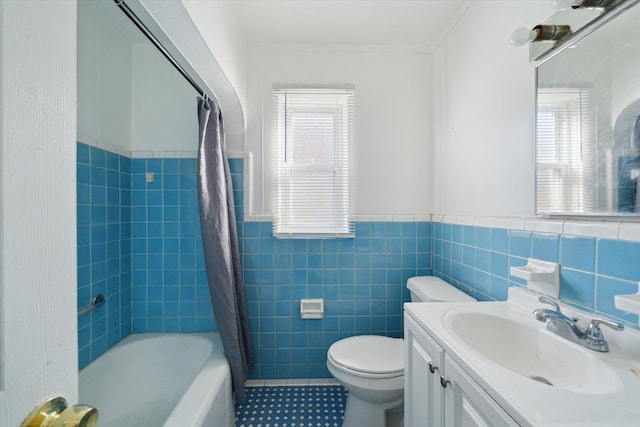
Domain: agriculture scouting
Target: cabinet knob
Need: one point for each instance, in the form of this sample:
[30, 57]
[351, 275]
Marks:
[444, 382]
[433, 368]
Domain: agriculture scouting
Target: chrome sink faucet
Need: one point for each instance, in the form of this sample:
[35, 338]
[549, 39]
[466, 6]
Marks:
[567, 327]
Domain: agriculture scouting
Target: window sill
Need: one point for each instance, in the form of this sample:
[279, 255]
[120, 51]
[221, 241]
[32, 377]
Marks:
[314, 235]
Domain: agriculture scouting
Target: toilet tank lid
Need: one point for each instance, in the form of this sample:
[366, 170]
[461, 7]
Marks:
[431, 288]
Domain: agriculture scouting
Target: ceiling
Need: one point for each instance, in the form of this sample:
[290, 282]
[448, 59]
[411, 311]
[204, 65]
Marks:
[347, 22]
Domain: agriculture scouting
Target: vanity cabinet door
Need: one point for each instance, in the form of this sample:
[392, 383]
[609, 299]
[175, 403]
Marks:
[423, 395]
[467, 404]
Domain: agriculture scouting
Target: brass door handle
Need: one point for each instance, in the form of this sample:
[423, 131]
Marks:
[56, 412]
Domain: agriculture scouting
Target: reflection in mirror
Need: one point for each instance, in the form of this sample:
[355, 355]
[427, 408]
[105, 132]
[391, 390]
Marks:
[565, 149]
[588, 124]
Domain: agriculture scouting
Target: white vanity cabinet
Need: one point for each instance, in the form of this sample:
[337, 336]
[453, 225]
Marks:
[467, 404]
[423, 394]
[438, 392]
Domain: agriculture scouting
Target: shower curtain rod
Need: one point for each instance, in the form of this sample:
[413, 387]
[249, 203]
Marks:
[134, 18]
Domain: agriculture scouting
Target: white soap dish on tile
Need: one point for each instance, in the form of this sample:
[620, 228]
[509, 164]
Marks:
[541, 276]
[629, 303]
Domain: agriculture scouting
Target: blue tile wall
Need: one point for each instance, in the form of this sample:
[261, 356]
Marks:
[361, 280]
[169, 280]
[139, 244]
[104, 249]
[477, 260]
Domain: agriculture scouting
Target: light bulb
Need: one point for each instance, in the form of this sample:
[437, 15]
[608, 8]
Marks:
[522, 36]
[565, 4]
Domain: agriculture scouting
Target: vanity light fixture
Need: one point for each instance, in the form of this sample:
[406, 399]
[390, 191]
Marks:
[566, 4]
[539, 33]
[581, 4]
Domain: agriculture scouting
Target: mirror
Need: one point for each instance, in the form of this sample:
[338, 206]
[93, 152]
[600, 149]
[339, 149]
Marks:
[588, 122]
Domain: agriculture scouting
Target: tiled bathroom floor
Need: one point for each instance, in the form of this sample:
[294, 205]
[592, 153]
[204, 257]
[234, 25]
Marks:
[292, 406]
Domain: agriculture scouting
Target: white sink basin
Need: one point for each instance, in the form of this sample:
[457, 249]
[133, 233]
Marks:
[501, 346]
[532, 352]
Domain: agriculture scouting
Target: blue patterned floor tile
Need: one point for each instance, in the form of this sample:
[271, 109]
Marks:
[292, 406]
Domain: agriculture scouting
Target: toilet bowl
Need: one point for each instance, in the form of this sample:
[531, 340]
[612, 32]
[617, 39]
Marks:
[371, 367]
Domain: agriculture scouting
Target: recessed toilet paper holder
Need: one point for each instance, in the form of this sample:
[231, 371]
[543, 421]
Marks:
[312, 308]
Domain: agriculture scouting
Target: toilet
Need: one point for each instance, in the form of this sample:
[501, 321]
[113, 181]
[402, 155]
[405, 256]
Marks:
[371, 367]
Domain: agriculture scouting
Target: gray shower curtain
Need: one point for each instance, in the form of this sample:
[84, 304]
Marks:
[220, 242]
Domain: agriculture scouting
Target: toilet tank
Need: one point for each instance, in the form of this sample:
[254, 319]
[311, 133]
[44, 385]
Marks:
[434, 289]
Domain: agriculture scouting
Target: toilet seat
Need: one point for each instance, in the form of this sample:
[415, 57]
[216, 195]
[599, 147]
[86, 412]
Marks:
[369, 356]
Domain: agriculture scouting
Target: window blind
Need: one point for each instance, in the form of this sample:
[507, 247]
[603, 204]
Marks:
[564, 151]
[313, 132]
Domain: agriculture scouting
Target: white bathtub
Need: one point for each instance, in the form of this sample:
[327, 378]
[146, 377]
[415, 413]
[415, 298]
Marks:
[153, 380]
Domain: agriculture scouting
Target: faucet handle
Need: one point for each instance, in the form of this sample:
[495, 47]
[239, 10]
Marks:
[594, 332]
[555, 305]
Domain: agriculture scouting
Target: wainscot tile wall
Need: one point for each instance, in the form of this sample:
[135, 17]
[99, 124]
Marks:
[362, 281]
[593, 270]
[139, 244]
[104, 249]
[169, 280]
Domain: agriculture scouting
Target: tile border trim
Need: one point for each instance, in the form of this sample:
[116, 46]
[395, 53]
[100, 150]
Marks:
[612, 230]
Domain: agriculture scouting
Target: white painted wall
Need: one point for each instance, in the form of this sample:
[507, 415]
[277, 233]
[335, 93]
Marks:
[223, 66]
[163, 105]
[484, 143]
[130, 97]
[224, 36]
[391, 153]
[104, 77]
[38, 323]
[132, 100]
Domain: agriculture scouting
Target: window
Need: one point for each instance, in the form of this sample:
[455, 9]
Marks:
[313, 132]
[565, 151]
